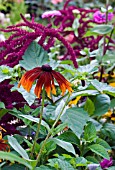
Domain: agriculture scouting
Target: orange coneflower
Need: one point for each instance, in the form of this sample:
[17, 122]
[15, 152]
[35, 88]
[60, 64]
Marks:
[45, 77]
[3, 143]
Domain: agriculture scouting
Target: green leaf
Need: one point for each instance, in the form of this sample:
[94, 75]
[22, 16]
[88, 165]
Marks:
[112, 104]
[42, 167]
[102, 103]
[81, 161]
[50, 146]
[14, 167]
[75, 24]
[76, 119]
[109, 58]
[60, 164]
[103, 143]
[69, 136]
[59, 128]
[92, 159]
[34, 56]
[4, 76]
[33, 119]
[14, 158]
[65, 145]
[89, 33]
[109, 130]
[89, 68]
[102, 29]
[29, 97]
[90, 132]
[3, 112]
[111, 168]
[2, 106]
[99, 150]
[89, 106]
[17, 147]
[103, 87]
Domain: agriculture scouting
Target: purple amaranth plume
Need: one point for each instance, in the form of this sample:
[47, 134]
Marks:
[17, 43]
[85, 19]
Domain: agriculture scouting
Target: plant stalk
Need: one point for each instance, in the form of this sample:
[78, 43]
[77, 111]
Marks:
[38, 127]
[50, 132]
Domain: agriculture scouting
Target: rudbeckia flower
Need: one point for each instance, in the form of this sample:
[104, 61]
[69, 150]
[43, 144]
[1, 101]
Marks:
[45, 78]
[3, 145]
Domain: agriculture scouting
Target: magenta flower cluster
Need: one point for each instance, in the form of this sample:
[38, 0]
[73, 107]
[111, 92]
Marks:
[100, 17]
[105, 163]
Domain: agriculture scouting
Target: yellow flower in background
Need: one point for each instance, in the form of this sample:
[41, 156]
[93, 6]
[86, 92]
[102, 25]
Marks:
[104, 75]
[110, 114]
[75, 101]
[107, 114]
[112, 84]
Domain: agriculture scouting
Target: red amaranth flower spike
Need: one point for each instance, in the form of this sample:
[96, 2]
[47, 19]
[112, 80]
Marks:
[15, 46]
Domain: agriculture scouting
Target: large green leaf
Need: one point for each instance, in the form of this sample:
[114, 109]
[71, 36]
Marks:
[89, 68]
[34, 56]
[69, 136]
[81, 161]
[89, 106]
[103, 87]
[99, 150]
[103, 143]
[29, 97]
[34, 119]
[5, 72]
[76, 119]
[65, 145]
[50, 146]
[17, 147]
[90, 132]
[14, 167]
[42, 167]
[109, 130]
[60, 164]
[102, 29]
[102, 103]
[14, 158]
[112, 104]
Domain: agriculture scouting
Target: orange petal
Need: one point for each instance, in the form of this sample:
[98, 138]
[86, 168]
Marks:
[28, 78]
[53, 87]
[39, 85]
[63, 83]
[47, 84]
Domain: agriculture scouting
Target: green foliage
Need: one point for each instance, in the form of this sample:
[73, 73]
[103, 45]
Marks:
[17, 147]
[34, 56]
[76, 119]
[100, 150]
[90, 132]
[54, 134]
[14, 158]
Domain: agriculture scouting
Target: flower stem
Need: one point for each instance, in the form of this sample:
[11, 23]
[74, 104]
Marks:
[38, 128]
[50, 132]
